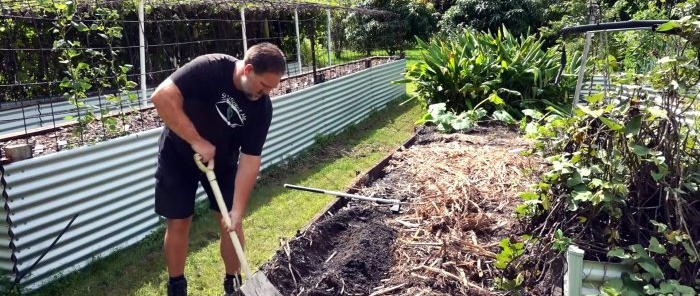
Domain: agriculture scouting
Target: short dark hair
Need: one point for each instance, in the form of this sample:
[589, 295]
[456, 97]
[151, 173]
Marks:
[266, 57]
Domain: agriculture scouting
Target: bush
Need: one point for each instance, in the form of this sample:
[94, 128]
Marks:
[623, 183]
[463, 70]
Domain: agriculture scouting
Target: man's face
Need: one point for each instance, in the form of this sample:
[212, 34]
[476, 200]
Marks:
[256, 85]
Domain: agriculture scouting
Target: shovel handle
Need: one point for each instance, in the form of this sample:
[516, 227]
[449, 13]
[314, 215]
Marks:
[343, 194]
[209, 171]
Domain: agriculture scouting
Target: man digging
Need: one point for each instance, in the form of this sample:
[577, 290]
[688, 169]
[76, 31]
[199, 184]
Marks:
[218, 107]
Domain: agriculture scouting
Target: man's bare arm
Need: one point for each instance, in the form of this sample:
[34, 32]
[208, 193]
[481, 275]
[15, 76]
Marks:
[168, 101]
[248, 169]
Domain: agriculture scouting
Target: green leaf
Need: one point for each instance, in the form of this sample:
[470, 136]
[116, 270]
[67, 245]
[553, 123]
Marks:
[611, 123]
[660, 227]
[593, 113]
[574, 180]
[504, 116]
[634, 125]
[650, 266]
[596, 98]
[656, 247]
[582, 194]
[640, 150]
[618, 253]
[657, 112]
[657, 176]
[494, 98]
[667, 26]
[529, 196]
[535, 114]
[596, 182]
[675, 263]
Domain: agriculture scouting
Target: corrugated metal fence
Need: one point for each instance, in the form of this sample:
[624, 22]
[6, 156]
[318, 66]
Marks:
[110, 185]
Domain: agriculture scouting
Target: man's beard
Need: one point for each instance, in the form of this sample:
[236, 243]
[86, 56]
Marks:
[246, 89]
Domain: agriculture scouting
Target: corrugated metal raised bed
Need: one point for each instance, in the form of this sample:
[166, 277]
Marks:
[109, 186]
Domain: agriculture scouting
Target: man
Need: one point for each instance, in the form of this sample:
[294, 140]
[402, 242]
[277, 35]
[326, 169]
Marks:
[216, 106]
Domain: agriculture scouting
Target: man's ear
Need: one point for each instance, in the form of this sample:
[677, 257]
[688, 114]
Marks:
[247, 69]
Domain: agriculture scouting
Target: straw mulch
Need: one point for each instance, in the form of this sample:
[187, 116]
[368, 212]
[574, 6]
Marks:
[463, 189]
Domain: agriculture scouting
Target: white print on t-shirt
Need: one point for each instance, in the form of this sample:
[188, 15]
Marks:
[230, 112]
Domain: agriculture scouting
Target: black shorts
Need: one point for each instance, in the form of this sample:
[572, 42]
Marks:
[176, 187]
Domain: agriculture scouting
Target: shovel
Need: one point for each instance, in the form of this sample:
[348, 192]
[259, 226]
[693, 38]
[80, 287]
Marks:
[256, 284]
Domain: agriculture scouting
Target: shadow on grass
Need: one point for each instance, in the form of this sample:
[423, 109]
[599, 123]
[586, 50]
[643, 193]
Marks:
[128, 270]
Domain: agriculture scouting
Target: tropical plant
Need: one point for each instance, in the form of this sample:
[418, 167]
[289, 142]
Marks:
[466, 68]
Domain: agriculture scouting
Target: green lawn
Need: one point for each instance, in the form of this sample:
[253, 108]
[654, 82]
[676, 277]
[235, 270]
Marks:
[274, 213]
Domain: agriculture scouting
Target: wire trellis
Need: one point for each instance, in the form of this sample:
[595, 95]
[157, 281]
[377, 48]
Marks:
[42, 41]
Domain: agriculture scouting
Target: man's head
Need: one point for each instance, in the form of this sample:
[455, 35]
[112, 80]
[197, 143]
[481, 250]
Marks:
[264, 65]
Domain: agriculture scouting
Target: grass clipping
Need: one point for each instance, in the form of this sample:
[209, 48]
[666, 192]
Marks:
[465, 188]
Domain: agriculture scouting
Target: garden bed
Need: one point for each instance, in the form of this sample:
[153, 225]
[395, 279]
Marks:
[462, 190]
[66, 136]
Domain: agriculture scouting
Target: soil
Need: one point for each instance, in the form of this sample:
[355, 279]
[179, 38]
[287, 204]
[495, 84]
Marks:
[462, 190]
[47, 141]
[346, 254]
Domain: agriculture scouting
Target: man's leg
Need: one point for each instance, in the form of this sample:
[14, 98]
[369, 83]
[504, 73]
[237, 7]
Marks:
[176, 186]
[175, 245]
[228, 253]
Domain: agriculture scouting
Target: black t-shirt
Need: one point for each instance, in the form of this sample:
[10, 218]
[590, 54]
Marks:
[222, 114]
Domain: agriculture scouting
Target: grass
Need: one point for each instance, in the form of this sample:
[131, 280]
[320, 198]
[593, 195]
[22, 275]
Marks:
[274, 213]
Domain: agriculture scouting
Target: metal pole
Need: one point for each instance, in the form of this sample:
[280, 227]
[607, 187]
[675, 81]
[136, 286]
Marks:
[245, 39]
[582, 70]
[142, 51]
[574, 271]
[296, 25]
[328, 13]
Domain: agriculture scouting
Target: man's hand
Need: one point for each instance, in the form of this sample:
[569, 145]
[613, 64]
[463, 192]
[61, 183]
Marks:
[205, 149]
[236, 222]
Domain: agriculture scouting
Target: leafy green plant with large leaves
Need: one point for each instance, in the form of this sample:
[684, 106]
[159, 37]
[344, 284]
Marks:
[623, 184]
[464, 69]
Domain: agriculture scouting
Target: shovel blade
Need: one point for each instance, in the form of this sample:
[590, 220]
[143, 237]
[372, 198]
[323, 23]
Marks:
[259, 285]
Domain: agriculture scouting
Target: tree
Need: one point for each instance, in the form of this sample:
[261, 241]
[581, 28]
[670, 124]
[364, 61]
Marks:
[390, 32]
[517, 15]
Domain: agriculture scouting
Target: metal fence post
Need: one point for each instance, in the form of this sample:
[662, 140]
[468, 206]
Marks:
[142, 51]
[328, 14]
[574, 271]
[313, 51]
[296, 25]
[245, 39]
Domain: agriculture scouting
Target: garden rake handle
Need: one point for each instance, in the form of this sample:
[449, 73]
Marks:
[209, 171]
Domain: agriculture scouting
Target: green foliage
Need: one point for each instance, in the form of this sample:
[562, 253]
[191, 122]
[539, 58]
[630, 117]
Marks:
[513, 73]
[623, 179]
[91, 69]
[7, 286]
[510, 251]
[646, 267]
[517, 15]
[617, 167]
[448, 122]
[365, 32]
